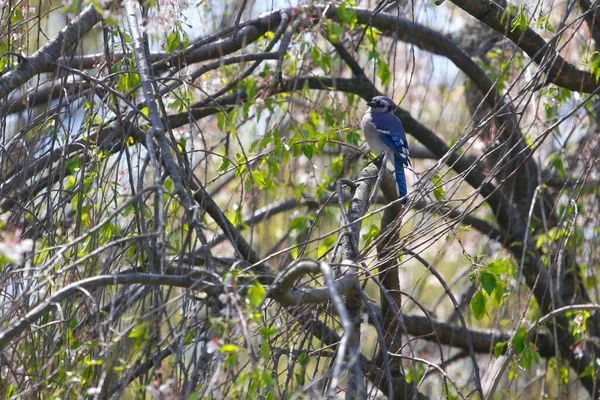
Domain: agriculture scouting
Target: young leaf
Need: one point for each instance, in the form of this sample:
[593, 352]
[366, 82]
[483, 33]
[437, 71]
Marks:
[478, 305]
[520, 340]
[488, 282]
[258, 178]
[499, 349]
[383, 71]
[228, 348]
[173, 42]
[256, 294]
[438, 189]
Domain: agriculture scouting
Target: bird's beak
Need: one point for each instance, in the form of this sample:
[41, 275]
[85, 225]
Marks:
[371, 103]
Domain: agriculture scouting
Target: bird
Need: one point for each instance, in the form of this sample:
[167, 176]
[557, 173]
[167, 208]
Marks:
[385, 134]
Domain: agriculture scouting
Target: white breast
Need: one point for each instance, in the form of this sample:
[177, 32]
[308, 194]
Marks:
[372, 136]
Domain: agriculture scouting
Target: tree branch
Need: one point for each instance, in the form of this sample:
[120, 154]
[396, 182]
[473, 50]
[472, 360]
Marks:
[559, 71]
[47, 54]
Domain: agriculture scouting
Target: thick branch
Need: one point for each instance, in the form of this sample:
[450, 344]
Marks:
[49, 53]
[483, 340]
[559, 71]
[349, 251]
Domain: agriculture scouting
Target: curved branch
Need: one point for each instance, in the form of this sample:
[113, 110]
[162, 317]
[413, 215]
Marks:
[483, 340]
[560, 72]
[47, 54]
[284, 292]
[25, 322]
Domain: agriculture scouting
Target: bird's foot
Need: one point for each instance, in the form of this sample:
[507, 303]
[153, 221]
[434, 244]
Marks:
[378, 161]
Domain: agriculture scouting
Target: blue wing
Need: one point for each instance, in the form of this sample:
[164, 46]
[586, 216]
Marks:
[400, 178]
[392, 134]
[398, 144]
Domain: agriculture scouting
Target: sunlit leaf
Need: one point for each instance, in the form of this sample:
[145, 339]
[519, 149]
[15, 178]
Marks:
[488, 282]
[478, 305]
[520, 339]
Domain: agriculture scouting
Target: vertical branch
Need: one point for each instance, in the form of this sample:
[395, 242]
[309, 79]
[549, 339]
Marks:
[388, 270]
[156, 246]
[349, 251]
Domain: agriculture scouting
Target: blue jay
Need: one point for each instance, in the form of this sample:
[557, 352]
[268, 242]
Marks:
[385, 134]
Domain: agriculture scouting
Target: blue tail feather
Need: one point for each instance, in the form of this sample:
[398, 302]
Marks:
[400, 179]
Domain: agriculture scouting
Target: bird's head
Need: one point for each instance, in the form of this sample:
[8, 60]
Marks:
[381, 104]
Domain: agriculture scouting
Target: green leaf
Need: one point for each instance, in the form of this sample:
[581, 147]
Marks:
[228, 348]
[556, 159]
[335, 32]
[520, 340]
[564, 374]
[322, 142]
[499, 267]
[543, 22]
[265, 349]
[258, 178]
[372, 233]
[70, 182]
[499, 291]
[478, 305]
[236, 215]
[72, 323]
[303, 358]
[536, 356]
[221, 121]
[588, 371]
[134, 82]
[308, 150]
[268, 331]
[299, 378]
[383, 71]
[72, 166]
[499, 349]
[373, 35]
[256, 293]
[298, 223]
[16, 16]
[526, 359]
[347, 14]
[224, 164]
[298, 190]
[595, 66]
[488, 282]
[326, 246]
[169, 184]
[315, 117]
[315, 54]
[138, 331]
[438, 189]
[521, 21]
[173, 42]
[181, 144]
[296, 150]
[410, 375]
[11, 391]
